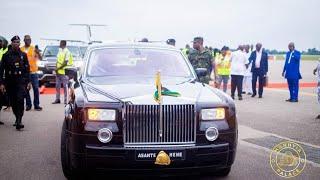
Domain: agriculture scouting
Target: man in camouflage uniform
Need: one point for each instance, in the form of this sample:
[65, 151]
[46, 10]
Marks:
[200, 57]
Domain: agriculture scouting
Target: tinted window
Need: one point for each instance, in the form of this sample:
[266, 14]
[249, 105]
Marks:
[137, 62]
[52, 51]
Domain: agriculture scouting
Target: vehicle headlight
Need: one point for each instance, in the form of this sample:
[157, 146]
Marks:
[213, 114]
[101, 115]
[40, 63]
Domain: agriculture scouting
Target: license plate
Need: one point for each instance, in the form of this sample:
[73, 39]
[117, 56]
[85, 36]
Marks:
[150, 155]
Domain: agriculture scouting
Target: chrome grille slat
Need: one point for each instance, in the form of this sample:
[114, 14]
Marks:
[142, 124]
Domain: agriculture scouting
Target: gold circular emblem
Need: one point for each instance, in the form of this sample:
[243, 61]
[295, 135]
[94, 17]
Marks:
[287, 159]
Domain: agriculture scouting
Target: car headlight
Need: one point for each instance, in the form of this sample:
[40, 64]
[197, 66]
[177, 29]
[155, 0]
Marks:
[40, 63]
[213, 114]
[101, 115]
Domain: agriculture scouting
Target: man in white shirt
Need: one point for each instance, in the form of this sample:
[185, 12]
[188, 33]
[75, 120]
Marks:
[316, 71]
[247, 79]
[239, 63]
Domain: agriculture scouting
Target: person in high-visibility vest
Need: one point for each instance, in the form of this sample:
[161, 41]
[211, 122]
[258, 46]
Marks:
[222, 65]
[33, 56]
[186, 50]
[64, 59]
[3, 48]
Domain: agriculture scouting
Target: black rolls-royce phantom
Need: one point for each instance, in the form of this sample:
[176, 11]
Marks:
[139, 107]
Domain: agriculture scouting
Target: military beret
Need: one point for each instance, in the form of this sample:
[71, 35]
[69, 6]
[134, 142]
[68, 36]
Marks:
[197, 39]
[15, 38]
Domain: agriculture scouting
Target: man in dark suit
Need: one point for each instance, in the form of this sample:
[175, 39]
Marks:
[291, 71]
[259, 69]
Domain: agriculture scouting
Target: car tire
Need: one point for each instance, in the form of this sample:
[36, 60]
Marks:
[65, 160]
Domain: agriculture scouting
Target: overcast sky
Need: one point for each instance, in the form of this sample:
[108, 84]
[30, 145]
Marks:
[274, 23]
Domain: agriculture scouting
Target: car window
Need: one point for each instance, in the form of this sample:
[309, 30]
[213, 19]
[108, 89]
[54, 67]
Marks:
[52, 51]
[137, 62]
[83, 50]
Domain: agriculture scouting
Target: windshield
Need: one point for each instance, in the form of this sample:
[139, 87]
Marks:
[83, 50]
[52, 51]
[137, 62]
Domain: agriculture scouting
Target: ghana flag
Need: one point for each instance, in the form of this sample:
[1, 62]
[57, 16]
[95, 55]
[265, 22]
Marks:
[162, 91]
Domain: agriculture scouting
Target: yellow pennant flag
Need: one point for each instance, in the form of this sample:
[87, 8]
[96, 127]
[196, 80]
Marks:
[157, 94]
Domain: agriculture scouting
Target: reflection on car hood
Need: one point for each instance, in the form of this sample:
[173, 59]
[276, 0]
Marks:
[143, 93]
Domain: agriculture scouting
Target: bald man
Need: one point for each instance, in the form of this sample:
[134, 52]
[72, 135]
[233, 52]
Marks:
[291, 71]
[259, 69]
[239, 63]
[33, 56]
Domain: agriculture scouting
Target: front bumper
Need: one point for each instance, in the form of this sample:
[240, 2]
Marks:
[119, 158]
[46, 75]
[48, 78]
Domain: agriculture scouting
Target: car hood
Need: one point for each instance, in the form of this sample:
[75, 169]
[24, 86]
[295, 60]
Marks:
[143, 93]
[50, 59]
[54, 59]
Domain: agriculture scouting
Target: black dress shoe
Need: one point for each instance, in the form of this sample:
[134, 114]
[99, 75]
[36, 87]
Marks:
[1, 123]
[38, 108]
[15, 124]
[19, 126]
[240, 98]
[232, 97]
[260, 96]
[28, 108]
[249, 93]
[19, 123]
[253, 95]
[288, 100]
[243, 92]
[318, 117]
[56, 102]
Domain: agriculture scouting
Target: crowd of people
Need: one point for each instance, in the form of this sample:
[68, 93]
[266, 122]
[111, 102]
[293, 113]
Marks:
[18, 74]
[245, 67]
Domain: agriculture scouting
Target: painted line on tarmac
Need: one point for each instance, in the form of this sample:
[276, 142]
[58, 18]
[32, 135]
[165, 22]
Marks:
[263, 134]
[253, 133]
[287, 91]
[269, 151]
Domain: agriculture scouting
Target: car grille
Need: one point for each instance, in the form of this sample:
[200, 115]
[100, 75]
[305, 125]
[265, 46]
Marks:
[144, 126]
[51, 66]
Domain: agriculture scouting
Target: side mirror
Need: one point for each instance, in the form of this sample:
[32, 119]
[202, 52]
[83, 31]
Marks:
[201, 72]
